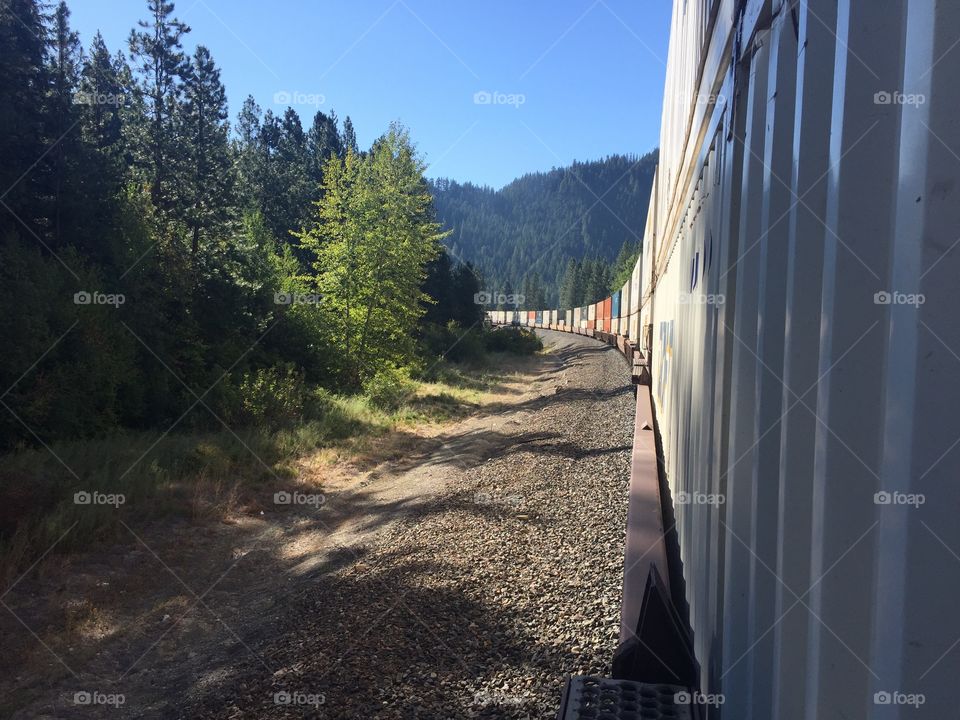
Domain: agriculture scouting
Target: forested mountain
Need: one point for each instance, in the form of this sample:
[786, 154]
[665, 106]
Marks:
[523, 236]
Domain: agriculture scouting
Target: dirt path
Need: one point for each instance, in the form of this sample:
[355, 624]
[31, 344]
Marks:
[465, 578]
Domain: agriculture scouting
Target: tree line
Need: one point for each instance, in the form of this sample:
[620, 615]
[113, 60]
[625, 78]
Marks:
[158, 262]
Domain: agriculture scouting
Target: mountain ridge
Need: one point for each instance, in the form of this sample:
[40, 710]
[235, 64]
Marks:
[522, 236]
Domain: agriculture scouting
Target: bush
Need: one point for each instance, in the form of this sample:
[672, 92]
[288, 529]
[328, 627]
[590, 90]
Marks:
[388, 388]
[513, 340]
[275, 396]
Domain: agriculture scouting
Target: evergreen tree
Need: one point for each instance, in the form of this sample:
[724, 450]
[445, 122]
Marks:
[64, 115]
[323, 142]
[208, 178]
[623, 266]
[102, 94]
[349, 136]
[250, 156]
[23, 117]
[162, 67]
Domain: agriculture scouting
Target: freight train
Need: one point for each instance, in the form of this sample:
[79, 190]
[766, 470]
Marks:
[793, 322]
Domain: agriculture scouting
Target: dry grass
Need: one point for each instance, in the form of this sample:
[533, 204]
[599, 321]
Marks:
[212, 476]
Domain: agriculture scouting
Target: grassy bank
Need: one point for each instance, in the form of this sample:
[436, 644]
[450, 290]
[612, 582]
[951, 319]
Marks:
[69, 494]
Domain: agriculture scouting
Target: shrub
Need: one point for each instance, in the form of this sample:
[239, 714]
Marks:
[513, 340]
[275, 396]
[388, 388]
[450, 342]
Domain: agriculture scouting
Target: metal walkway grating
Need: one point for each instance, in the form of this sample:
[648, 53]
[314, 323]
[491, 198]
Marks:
[597, 698]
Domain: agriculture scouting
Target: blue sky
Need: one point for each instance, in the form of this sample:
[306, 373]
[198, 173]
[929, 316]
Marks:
[558, 80]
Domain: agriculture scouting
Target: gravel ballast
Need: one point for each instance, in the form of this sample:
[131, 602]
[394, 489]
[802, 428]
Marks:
[480, 601]
[464, 577]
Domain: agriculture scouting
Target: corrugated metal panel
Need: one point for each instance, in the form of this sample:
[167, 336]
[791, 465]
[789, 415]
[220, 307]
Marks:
[802, 241]
[625, 300]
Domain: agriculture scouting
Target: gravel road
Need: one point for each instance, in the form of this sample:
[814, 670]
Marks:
[465, 580]
[478, 601]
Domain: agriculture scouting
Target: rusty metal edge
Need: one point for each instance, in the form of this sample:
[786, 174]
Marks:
[645, 545]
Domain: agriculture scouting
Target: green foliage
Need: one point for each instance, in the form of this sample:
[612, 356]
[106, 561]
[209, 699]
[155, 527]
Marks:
[273, 396]
[121, 179]
[389, 387]
[624, 264]
[453, 342]
[518, 341]
[370, 247]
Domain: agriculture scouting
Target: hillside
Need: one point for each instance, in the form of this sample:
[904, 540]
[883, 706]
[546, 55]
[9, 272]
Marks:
[541, 221]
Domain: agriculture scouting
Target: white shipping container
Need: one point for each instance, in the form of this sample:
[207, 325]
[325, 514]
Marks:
[798, 278]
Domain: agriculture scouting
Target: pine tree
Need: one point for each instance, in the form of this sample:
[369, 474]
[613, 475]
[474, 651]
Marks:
[208, 178]
[162, 69]
[23, 87]
[349, 136]
[323, 142]
[250, 156]
[102, 94]
[293, 176]
[64, 116]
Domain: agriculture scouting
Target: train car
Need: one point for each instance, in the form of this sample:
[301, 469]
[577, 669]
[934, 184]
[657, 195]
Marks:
[794, 299]
[626, 315]
[799, 170]
[615, 312]
[607, 306]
